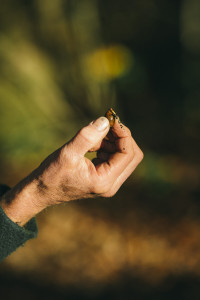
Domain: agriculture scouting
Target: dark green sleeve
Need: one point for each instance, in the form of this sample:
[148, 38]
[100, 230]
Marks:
[11, 235]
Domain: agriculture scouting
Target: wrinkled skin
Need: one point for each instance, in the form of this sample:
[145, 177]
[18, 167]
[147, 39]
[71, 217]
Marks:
[68, 175]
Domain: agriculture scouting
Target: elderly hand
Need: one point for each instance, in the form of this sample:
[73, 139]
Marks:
[67, 174]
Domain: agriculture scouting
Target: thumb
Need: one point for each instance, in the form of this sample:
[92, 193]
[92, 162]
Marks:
[89, 136]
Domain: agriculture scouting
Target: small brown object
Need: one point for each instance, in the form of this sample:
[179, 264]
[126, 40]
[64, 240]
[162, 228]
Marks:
[111, 116]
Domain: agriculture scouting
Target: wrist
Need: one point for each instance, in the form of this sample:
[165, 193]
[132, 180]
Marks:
[21, 203]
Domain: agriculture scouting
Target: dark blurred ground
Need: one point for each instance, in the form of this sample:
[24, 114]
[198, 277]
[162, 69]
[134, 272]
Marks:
[62, 64]
[186, 287]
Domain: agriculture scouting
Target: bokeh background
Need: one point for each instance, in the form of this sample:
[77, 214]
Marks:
[62, 64]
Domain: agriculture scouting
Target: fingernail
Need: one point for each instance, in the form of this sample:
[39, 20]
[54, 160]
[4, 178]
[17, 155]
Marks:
[101, 123]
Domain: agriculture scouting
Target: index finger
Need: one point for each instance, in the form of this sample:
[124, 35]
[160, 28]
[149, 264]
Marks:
[118, 161]
[109, 143]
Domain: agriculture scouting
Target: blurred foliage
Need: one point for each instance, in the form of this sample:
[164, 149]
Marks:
[62, 64]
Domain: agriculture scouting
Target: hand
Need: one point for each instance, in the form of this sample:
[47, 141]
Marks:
[68, 175]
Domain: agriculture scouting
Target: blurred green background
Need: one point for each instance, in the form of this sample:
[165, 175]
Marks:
[62, 64]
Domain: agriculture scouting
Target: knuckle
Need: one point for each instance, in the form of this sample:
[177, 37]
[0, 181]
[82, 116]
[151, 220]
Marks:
[67, 156]
[86, 135]
[131, 153]
[100, 188]
[109, 194]
[128, 131]
[83, 131]
[140, 155]
[96, 190]
[64, 153]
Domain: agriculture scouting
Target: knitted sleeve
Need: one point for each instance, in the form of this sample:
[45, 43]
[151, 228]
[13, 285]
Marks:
[11, 235]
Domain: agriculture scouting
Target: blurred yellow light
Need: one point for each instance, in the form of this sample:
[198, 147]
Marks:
[108, 62]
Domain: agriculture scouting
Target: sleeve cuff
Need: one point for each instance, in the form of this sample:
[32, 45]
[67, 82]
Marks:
[12, 236]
